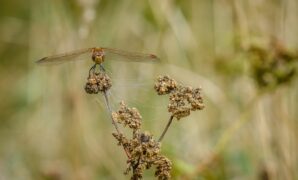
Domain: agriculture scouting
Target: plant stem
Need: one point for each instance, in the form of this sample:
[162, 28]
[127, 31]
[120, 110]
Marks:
[110, 111]
[113, 121]
[166, 129]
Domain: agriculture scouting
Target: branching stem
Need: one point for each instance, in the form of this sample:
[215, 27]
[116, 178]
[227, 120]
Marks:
[113, 121]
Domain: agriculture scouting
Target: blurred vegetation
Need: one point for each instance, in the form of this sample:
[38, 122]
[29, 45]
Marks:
[51, 129]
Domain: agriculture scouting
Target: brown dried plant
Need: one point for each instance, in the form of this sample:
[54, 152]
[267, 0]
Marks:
[182, 99]
[142, 150]
[273, 65]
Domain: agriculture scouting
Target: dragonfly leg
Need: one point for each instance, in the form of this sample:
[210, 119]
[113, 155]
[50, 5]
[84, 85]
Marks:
[102, 68]
[92, 69]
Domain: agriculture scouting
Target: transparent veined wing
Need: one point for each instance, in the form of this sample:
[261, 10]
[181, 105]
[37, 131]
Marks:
[65, 57]
[117, 54]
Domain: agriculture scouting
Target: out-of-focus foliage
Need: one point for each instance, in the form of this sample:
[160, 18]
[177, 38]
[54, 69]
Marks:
[51, 129]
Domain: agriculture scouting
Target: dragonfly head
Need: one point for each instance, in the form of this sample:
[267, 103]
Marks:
[98, 55]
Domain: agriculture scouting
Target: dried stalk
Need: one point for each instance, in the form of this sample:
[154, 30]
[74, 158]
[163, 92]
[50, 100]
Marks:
[166, 128]
[107, 102]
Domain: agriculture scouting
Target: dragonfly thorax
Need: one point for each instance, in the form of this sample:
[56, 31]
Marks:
[98, 55]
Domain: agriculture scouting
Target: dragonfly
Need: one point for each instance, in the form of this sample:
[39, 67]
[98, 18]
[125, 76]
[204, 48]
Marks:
[98, 56]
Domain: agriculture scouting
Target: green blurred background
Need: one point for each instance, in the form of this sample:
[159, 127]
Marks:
[51, 129]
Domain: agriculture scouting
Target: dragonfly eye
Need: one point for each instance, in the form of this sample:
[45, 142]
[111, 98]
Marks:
[94, 57]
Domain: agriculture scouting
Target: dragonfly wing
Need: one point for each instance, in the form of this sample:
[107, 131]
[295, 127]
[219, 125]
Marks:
[70, 56]
[116, 54]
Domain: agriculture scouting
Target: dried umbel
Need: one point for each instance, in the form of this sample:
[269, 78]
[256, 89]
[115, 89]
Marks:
[165, 85]
[182, 99]
[273, 65]
[144, 151]
[128, 117]
[98, 82]
[163, 168]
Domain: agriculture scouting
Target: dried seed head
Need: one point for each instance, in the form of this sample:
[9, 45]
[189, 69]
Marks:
[163, 168]
[184, 100]
[98, 82]
[165, 85]
[195, 99]
[144, 151]
[273, 65]
[179, 112]
[91, 86]
[128, 117]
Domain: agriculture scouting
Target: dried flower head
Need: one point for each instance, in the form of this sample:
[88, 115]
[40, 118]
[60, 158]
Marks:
[143, 149]
[183, 99]
[164, 166]
[98, 82]
[165, 85]
[128, 116]
[273, 65]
